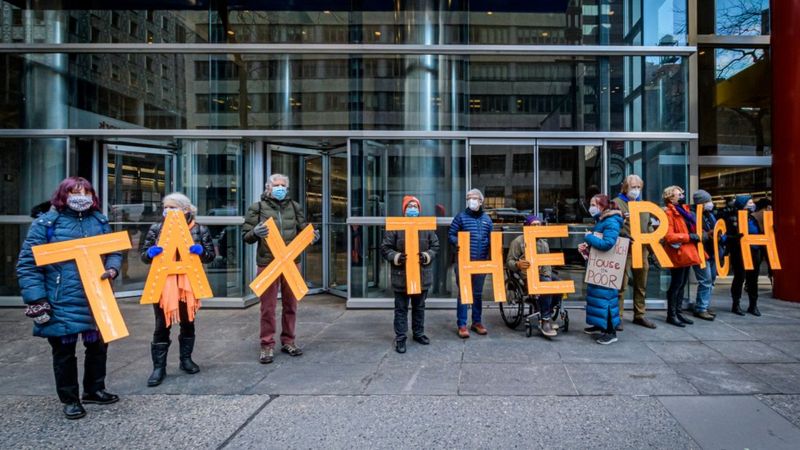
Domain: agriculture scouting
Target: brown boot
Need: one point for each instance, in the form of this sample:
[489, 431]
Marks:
[704, 315]
[479, 328]
[463, 333]
[644, 322]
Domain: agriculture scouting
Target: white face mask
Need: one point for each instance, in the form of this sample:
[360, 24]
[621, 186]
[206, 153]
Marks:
[473, 204]
[708, 206]
[594, 211]
[634, 193]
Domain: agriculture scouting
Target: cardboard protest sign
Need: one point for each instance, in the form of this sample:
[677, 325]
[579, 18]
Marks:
[653, 239]
[175, 239]
[700, 247]
[411, 226]
[283, 262]
[767, 239]
[607, 269]
[87, 254]
[493, 267]
[536, 286]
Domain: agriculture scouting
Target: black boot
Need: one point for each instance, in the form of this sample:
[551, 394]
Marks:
[736, 309]
[679, 315]
[158, 350]
[186, 347]
[672, 314]
[753, 308]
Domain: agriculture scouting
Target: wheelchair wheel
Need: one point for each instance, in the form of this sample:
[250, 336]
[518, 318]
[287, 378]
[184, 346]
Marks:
[513, 310]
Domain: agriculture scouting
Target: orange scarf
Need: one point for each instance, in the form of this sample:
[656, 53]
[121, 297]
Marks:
[178, 289]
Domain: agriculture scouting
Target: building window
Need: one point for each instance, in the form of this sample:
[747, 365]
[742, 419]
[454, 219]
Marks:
[733, 17]
[115, 19]
[133, 28]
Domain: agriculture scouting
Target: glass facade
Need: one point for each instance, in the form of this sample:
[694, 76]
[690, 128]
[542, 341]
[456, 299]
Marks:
[538, 104]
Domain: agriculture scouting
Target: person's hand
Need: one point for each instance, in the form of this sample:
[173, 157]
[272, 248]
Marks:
[196, 249]
[261, 230]
[587, 233]
[424, 258]
[316, 237]
[400, 259]
[39, 311]
[109, 274]
[154, 251]
[694, 237]
[523, 265]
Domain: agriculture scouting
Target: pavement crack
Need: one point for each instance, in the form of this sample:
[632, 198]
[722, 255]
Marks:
[247, 422]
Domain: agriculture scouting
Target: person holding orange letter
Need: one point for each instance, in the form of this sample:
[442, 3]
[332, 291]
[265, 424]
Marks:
[742, 277]
[681, 246]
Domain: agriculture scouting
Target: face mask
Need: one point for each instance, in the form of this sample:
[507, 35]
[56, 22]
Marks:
[681, 200]
[473, 204]
[80, 203]
[708, 206]
[167, 210]
[594, 211]
[750, 208]
[412, 212]
[279, 192]
[633, 194]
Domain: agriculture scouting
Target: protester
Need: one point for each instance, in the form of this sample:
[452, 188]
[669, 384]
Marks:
[680, 244]
[393, 249]
[177, 302]
[705, 276]
[57, 300]
[517, 263]
[474, 220]
[742, 277]
[632, 189]
[602, 303]
[290, 220]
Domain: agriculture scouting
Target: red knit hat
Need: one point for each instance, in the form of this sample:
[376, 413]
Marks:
[408, 199]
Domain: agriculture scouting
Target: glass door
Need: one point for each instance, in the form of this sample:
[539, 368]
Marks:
[135, 181]
[335, 233]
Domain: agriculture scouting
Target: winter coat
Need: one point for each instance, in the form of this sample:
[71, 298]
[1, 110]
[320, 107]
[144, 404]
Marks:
[288, 217]
[685, 255]
[479, 225]
[621, 202]
[200, 235]
[394, 243]
[602, 301]
[516, 251]
[709, 221]
[60, 284]
[734, 238]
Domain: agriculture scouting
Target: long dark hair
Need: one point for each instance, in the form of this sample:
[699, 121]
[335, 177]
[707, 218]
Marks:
[70, 185]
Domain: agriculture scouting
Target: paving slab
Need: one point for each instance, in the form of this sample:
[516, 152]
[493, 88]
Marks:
[514, 379]
[628, 379]
[785, 378]
[722, 378]
[749, 352]
[786, 405]
[316, 379]
[682, 352]
[425, 378]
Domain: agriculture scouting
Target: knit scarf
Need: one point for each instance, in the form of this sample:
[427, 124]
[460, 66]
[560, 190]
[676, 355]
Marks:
[178, 289]
[689, 218]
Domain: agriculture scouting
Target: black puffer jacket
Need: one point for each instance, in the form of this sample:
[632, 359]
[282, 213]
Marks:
[200, 235]
[394, 243]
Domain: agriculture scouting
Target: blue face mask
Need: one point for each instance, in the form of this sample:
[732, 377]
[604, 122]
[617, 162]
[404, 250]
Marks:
[412, 212]
[279, 192]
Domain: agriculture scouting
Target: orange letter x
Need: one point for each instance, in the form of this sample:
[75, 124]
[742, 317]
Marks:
[86, 252]
[283, 264]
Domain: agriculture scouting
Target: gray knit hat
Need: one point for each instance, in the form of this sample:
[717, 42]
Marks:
[700, 196]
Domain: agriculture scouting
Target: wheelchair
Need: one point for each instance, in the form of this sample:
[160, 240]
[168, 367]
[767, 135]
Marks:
[521, 307]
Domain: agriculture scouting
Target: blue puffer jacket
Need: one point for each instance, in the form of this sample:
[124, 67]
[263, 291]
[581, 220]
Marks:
[602, 300]
[60, 284]
[479, 225]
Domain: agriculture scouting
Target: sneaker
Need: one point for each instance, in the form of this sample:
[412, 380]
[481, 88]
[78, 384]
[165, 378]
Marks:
[422, 339]
[463, 333]
[479, 328]
[266, 355]
[546, 328]
[593, 330]
[554, 325]
[704, 315]
[291, 349]
[712, 312]
[400, 346]
[607, 339]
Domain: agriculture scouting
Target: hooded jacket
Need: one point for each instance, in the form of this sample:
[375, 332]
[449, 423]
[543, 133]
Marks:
[288, 217]
[600, 300]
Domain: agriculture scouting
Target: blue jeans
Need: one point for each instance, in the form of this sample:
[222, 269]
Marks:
[705, 283]
[477, 301]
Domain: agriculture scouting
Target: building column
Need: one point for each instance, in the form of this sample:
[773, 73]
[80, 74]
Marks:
[786, 144]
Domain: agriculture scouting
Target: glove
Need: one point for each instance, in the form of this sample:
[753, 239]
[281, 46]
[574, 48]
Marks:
[39, 312]
[109, 274]
[316, 237]
[261, 230]
[154, 251]
[523, 265]
[196, 249]
[424, 258]
[694, 237]
[400, 259]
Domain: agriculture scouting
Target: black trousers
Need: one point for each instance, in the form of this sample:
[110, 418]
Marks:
[744, 278]
[677, 286]
[65, 368]
[401, 300]
[161, 333]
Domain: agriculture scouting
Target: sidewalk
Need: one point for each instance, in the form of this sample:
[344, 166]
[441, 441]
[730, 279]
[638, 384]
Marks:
[731, 383]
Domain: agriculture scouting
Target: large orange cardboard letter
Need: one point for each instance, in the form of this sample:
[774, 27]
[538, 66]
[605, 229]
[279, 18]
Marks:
[175, 237]
[767, 239]
[535, 286]
[283, 264]
[494, 267]
[723, 264]
[411, 226]
[652, 239]
[87, 255]
[699, 225]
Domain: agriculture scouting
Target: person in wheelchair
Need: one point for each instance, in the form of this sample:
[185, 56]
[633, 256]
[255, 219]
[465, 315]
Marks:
[516, 263]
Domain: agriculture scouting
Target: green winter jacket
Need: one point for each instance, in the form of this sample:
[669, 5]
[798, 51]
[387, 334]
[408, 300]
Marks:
[288, 217]
[516, 251]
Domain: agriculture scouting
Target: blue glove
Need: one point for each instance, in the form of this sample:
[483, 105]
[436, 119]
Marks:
[154, 251]
[196, 249]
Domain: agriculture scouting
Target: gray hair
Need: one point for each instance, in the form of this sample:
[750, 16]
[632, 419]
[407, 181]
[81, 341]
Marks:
[475, 192]
[630, 179]
[181, 200]
[272, 179]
